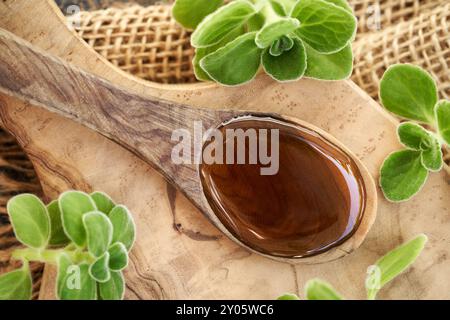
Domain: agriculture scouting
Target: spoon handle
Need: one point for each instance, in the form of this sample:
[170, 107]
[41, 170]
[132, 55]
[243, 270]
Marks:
[141, 124]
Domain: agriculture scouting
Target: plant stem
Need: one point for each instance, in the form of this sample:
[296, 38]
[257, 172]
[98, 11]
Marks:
[269, 14]
[51, 256]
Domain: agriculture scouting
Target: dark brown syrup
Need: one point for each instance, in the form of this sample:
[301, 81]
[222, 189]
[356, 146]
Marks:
[314, 202]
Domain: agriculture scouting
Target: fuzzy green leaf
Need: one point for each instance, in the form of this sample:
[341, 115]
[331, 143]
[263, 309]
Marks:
[414, 136]
[30, 220]
[99, 270]
[113, 289]
[402, 175]
[73, 205]
[235, 63]
[57, 234]
[317, 289]
[78, 284]
[432, 158]
[394, 263]
[409, 92]
[220, 23]
[288, 66]
[335, 66]
[189, 13]
[16, 285]
[64, 263]
[118, 256]
[443, 119]
[285, 43]
[341, 3]
[255, 23]
[124, 230]
[273, 31]
[288, 296]
[103, 202]
[326, 27]
[200, 74]
[279, 7]
[99, 231]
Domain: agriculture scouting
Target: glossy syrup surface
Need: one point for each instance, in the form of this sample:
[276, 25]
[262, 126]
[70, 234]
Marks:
[314, 202]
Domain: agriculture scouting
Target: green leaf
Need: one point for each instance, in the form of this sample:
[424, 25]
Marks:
[273, 31]
[394, 263]
[16, 285]
[443, 119]
[409, 92]
[317, 289]
[30, 220]
[235, 63]
[402, 175]
[118, 257]
[198, 71]
[202, 52]
[288, 66]
[288, 296]
[219, 24]
[103, 202]
[278, 7]
[78, 284]
[99, 270]
[285, 43]
[113, 289]
[255, 23]
[73, 205]
[341, 3]
[99, 231]
[432, 158]
[335, 66]
[326, 27]
[57, 235]
[124, 230]
[414, 136]
[189, 13]
[64, 262]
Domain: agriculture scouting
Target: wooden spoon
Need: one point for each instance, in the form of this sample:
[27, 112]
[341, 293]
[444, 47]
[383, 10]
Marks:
[142, 125]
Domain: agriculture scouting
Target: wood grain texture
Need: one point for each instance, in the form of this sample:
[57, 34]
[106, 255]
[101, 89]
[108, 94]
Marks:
[179, 254]
[144, 125]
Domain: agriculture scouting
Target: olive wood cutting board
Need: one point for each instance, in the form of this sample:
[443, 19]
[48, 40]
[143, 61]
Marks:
[179, 254]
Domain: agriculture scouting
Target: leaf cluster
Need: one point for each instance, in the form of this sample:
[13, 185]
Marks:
[87, 236]
[411, 93]
[382, 272]
[288, 38]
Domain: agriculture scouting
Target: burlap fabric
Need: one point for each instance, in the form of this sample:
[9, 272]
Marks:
[146, 42]
[91, 5]
[423, 40]
[149, 44]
